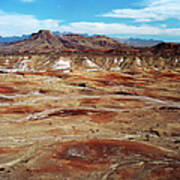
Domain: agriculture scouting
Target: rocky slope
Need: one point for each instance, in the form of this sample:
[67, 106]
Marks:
[86, 62]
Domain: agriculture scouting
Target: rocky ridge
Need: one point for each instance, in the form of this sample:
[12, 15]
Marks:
[45, 42]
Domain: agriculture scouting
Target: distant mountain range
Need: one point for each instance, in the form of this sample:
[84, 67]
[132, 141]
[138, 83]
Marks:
[134, 42]
[5, 40]
[12, 38]
[46, 42]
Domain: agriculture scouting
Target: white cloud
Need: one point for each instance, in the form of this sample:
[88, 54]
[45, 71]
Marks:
[116, 28]
[28, 1]
[154, 10]
[18, 24]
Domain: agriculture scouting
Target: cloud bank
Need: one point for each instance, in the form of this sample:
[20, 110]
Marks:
[116, 28]
[154, 10]
[18, 24]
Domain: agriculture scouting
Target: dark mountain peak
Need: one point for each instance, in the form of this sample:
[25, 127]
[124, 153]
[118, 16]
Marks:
[44, 31]
[42, 34]
[166, 49]
[167, 45]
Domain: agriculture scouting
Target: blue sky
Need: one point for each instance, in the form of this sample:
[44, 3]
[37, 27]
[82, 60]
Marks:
[157, 19]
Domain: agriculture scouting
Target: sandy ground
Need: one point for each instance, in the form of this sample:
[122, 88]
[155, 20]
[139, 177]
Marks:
[90, 125]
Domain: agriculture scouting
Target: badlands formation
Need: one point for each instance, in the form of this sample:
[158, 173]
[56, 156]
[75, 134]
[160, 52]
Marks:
[83, 116]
